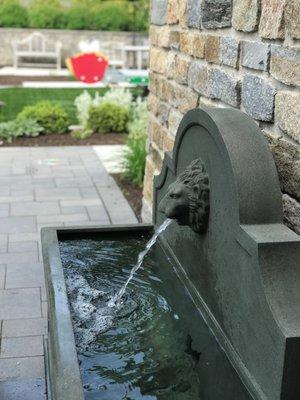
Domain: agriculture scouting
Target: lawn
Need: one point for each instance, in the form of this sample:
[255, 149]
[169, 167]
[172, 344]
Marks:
[16, 98]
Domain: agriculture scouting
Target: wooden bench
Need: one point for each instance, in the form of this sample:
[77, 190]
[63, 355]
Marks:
[36, 47]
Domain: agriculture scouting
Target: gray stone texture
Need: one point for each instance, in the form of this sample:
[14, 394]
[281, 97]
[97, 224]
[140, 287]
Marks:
[255, 55]
[285, 65]
[271, 24]
[287, 113]
[27, 346]
[159, 12]
[258, 98]
[24, 327]
[245, 15]
[229, 51]
[21, 368]
[287, 160]
[291, 210]
[193, 14]
[292, 18]
[224, 86]
[216, 13]
[20, 303]
[32, 196]
[23, 389]
[198, 77]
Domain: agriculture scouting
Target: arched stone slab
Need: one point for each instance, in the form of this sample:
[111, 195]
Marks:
[244, 272]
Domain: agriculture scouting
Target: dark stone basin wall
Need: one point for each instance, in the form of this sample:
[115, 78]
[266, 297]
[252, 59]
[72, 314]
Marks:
[242, 54]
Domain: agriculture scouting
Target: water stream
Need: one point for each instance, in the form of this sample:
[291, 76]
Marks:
[115, 301]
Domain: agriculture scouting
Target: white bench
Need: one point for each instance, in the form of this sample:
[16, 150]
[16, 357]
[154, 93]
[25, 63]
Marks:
[36, 47]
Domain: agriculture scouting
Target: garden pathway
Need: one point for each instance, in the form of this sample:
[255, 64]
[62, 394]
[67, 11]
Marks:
[51, 186]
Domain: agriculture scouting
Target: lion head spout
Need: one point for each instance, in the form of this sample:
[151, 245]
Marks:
[187, 199]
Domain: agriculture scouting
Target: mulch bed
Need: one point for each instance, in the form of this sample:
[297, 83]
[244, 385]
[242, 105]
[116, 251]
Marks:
[66, 139]
[132, 193]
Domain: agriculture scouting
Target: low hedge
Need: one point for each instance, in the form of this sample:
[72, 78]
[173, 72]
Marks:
[111, 15]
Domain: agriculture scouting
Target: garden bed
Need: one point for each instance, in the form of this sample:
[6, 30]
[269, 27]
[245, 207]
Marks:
[132, 193]
[17, 98]
[55, 139]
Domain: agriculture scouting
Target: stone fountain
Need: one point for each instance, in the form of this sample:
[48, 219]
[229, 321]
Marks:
[239, 264]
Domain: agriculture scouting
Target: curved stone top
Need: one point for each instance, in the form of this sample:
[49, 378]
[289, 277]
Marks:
[254, 195]
[243, 270]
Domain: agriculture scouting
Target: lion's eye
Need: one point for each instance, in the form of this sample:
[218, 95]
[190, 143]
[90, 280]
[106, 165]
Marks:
[174, 195]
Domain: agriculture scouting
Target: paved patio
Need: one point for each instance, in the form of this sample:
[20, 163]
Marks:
[41, 187]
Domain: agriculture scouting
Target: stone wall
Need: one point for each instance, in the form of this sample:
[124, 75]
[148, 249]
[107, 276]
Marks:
[68, 38]
[223, 53]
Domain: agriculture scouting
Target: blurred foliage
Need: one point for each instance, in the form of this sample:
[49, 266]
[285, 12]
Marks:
[13, 14]
[110, 15]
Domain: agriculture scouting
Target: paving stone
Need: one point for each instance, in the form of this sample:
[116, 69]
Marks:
[75, 182]
[62, 218]
[4, 209]
[15, 199]
[258, 98]
[229, 51]
[255, 55]
[23, 389]
[57, 194]
[95, 222]
[21, 368]
[43, 293]
[89, 193]
[26, 346]
[44, 309]
[82, 202]
[159, 12]
[216, 13]
[20, 303]
[245, 15]
[73, 210]
[4, 190]
[16, 247]
[26, 257]
[3, 243]
[22, 275]
[97, 213]
[35, 208]
[119, 210]
[285, 65]
[24, 327]
[2, 276]
[23, 237]
[193, 19]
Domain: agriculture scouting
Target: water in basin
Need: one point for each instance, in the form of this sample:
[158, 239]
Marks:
[157, 346]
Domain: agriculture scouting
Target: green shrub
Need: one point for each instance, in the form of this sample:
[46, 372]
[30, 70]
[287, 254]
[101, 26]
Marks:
[79, 17]
[15, 128]
[8, 131]
[112, 16]
[108, 117]
[135, 158]
[13, 14]
[50, 116]
[82, 134]
[47, 16]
